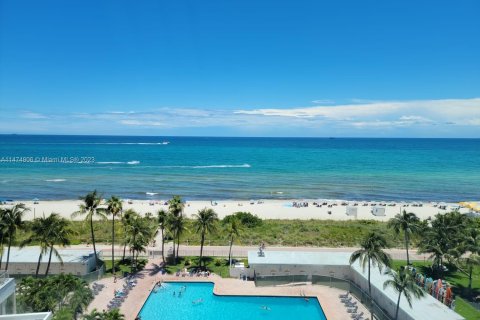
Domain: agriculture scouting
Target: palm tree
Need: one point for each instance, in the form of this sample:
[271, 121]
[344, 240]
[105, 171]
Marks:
[176, 205]
[205, 222]
[234, 228]
[40, 233]
[443, 238]
[59, 234]
[12, 217]
[114, 207]
[403, 282]
[371, 254]
[140, 234]
[162, 223]
[127, 217]
[90, 207]
[408, 223]
[176, 226]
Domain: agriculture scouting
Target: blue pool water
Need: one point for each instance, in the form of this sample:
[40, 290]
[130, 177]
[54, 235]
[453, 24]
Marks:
[197, 301]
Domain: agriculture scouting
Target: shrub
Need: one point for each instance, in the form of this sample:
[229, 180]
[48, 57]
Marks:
[249, 220]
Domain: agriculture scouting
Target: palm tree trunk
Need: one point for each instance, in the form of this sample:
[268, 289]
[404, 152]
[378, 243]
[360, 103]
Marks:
[398, 305]
[230, 251]
[178, 243]
[1, 252]
[201, 248]
[163, 245]
[49, 260]
[93, 241]
[124, 249]
[406, 246]
[10, 238]
[113, 244]
[173, 240]
[133, 254]
[470, 280]
[38, 263]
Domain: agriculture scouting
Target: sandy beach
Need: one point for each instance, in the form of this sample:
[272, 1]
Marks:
[265, 209]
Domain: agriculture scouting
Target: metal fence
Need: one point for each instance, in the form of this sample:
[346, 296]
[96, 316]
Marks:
[342, 284]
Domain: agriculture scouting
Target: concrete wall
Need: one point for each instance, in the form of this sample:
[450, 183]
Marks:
[342, 272]
[28, 316]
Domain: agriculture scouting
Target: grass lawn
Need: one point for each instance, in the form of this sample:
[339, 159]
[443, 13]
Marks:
[459, 282]
[122, 266]
[218, 266]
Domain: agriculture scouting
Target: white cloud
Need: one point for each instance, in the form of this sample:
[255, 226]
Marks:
[33, 115]
[396, 113]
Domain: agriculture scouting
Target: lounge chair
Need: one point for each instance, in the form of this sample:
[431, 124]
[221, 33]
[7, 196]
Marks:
[357, 316]
[343, 296]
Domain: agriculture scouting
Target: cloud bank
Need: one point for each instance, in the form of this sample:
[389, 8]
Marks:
[429, 118]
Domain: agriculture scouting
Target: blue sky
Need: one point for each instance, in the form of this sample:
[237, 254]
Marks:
[241, 68]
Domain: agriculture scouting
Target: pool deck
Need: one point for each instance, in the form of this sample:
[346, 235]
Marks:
[328, 297]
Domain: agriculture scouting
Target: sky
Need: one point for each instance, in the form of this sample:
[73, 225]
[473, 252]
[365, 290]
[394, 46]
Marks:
[241, 68]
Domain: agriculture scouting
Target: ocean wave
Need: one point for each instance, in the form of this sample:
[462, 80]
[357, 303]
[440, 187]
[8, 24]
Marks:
[245, 165]
[118, 162]
[151, 193]
[110, 162]
[56, 180]
[101, 143]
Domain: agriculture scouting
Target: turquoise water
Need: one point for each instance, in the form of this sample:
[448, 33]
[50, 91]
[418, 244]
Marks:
[197, 301]
[242, 168]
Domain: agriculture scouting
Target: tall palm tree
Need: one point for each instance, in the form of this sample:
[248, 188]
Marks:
[408, 223]
[176, 226]
[371, 254]
[234, 228]
[59, 234]
[127, 217]
[114, 207]
[403, 282]
[205, 222]
[140, 233]
[162, 223]
[12, 217]
[40, 233]
[90, 208]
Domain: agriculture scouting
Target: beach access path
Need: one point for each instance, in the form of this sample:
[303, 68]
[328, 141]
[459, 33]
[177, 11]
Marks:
[241, 251]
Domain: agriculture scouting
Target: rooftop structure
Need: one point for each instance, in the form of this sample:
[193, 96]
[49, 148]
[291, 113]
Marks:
[24, 261]
[333, 264]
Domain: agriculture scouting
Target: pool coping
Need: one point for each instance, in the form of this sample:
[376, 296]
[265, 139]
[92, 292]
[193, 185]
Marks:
[231, 295]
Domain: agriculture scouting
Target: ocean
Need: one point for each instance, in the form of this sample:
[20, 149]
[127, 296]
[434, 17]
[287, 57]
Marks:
[65, 167]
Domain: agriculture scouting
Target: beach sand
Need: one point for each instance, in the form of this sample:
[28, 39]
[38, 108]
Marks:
[266, 209]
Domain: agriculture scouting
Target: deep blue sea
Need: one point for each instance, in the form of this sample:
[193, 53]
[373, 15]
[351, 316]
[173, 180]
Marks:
[50, 167]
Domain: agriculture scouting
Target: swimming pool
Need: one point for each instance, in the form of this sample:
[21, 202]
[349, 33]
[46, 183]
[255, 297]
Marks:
[197, 301]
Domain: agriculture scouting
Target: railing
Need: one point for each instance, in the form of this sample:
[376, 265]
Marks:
[3, 277]
[342, 284]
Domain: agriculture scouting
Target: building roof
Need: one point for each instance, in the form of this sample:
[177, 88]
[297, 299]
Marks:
[30, 255]
[299, 258]
[426, 308]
